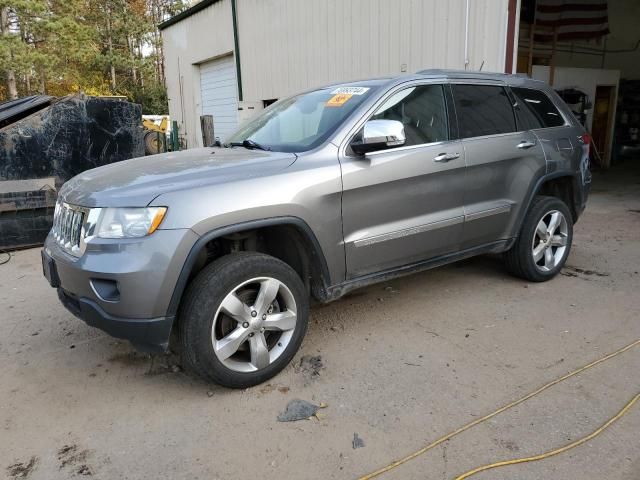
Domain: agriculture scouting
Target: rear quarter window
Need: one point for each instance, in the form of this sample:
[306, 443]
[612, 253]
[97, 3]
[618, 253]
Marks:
[537, 109]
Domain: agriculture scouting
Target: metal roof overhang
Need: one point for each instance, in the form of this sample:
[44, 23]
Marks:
[187, 13]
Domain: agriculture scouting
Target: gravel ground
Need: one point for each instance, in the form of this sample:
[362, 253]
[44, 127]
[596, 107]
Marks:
[400, 364]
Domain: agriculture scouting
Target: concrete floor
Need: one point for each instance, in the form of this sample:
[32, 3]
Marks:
[404, 363]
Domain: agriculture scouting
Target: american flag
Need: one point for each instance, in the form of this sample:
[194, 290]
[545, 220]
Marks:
[572, 19]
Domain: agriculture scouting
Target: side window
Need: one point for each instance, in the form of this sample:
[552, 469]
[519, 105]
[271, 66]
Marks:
[422, 111]
[538, 105]
[483, 110]
[525, 117]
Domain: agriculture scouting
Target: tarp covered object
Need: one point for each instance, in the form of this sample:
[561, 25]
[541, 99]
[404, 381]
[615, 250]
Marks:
[42, 151]
[14, 110]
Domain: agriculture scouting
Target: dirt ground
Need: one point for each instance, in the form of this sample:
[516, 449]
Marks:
[402, 363]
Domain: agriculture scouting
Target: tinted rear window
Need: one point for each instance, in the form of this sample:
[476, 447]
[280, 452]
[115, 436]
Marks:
[539, 105]
[483, 110]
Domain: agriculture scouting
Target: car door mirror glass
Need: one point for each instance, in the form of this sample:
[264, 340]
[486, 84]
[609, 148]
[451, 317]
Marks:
[379, 135]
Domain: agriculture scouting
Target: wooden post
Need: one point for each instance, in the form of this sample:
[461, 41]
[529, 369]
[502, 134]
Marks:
[532, 32]
[511, 50]
[206, 123]
[552, 63]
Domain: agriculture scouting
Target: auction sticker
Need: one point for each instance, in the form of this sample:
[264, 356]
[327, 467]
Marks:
[350, 91]
[338, 100]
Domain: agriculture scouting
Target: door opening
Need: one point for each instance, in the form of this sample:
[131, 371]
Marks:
[603, 111]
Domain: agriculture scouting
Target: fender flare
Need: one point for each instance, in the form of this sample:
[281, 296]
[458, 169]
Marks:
[538, 186]
[189, 263]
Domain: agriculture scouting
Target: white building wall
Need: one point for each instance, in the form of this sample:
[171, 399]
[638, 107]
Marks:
[287, 46]
[204, 36]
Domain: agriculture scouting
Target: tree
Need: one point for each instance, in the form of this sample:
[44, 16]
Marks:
[100, 47]
[7, 47]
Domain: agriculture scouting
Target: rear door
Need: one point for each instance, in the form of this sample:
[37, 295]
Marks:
[405, 204]
[502, 160]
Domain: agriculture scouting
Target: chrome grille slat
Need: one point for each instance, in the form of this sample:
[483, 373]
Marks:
[67, 226]
[60, 223]
[67, 222]
[63, 224]
[67, 232]
[77, 221]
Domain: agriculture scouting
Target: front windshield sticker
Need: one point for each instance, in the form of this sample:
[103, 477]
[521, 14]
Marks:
[338, 100]
[350, 91]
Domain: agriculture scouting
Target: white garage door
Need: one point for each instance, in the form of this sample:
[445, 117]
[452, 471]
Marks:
[220, 95]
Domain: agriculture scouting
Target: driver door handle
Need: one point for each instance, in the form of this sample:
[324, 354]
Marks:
[524, 144]
[445, 157]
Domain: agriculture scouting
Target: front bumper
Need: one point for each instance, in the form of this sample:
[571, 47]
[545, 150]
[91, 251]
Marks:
[122, 287]
[147, 335]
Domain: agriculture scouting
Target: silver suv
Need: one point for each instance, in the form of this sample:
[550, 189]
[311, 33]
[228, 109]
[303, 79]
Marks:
[222, 249]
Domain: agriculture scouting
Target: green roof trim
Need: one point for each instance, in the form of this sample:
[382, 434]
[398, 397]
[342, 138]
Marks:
[187, 13]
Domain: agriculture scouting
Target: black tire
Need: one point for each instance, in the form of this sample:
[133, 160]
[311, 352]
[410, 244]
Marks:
[519, 259]
[152, 142]
[202, 300]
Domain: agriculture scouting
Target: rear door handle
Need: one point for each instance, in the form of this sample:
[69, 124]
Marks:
[445, 157]
[526, 144]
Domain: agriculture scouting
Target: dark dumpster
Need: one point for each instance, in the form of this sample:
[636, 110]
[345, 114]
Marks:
[44, 142]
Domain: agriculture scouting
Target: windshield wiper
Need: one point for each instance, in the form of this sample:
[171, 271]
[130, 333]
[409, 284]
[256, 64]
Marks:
[250, 144]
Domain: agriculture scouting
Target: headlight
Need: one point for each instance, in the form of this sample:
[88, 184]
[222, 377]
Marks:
[129, 222]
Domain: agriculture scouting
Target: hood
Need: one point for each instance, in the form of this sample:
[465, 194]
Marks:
[136, 182]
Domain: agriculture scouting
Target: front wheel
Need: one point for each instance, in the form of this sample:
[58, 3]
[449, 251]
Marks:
[243, 319]
[543, 245]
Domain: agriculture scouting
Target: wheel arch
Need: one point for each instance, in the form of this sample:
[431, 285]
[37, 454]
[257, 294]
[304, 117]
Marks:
[308, 252]
[563, 185]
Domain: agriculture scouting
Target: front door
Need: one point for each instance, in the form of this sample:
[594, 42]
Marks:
[405, 204]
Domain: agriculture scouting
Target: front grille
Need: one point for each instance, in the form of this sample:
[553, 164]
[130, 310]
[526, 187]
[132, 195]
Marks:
[67, 230]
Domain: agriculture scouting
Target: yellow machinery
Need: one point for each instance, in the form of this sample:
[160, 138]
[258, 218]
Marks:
[155, 135]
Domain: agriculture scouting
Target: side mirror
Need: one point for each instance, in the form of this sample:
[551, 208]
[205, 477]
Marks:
[378, 135]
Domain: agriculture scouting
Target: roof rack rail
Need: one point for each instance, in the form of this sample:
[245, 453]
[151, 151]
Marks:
[460, 73]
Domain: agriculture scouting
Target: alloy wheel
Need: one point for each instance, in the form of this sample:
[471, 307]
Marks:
[550, 241]
[254, 324]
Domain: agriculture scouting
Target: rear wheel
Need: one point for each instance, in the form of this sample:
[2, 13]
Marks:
[243, 319]
[543, 245]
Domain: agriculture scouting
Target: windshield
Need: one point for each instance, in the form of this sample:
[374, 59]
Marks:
[302, 122]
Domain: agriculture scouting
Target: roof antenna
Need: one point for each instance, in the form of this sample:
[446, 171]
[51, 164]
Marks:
[481, 65]
[466, 36]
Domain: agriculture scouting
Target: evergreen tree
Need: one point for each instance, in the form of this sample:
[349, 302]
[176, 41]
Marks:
[100, 47]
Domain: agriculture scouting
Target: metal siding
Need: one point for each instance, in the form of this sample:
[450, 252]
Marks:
[488, 23]
[219, 87]
[199, 38]
[288, 46]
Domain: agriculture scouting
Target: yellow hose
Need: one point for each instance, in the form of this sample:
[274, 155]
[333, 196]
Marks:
[469, 425]
[556, 451]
